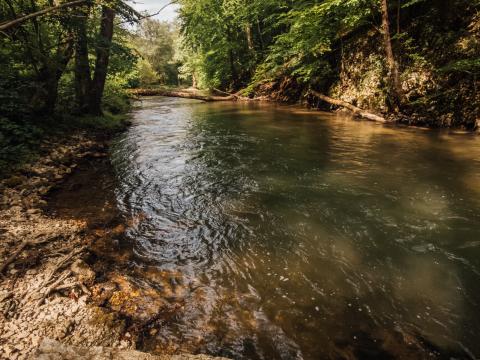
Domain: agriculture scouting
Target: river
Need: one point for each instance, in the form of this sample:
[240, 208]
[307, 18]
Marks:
[303, 235]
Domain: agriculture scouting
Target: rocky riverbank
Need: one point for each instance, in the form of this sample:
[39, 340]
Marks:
[55, 284]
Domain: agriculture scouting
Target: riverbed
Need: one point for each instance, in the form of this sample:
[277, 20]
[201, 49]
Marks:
[298, 234]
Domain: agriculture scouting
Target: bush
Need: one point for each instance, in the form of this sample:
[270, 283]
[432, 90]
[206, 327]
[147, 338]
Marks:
[18, 143]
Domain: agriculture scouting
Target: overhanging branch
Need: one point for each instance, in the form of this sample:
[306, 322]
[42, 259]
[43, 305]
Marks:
[20, 20]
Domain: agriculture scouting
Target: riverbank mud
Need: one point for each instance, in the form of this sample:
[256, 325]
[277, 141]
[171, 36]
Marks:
[59, 247]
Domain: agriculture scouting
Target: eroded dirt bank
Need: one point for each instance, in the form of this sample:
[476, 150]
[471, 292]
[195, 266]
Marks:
[59, 247]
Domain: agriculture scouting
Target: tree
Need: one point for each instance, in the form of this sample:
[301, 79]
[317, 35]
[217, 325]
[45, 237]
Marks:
[394, 84]
[103, 46]
[82, 65]
[155, 42]
[220, 34]
[9, 24]
[46, 37]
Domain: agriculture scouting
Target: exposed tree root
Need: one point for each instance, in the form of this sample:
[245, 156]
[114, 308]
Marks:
[14, 256]
[63, 262]
[48, 282]
[356, 110]
[54, 286]
[20, 249]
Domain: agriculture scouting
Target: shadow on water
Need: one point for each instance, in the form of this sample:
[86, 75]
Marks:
[285, 235]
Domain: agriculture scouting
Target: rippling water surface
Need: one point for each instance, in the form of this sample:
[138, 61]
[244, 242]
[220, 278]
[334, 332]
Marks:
[304, 235]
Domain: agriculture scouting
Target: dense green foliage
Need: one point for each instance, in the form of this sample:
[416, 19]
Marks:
[39, 62]
[238, 43]
[420, 56]
[37, 56]
[156, 43]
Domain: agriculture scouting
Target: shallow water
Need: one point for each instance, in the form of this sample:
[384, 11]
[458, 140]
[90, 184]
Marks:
[303, 235]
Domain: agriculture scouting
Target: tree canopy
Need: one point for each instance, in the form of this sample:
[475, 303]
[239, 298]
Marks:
[239, 43]
[47, 48]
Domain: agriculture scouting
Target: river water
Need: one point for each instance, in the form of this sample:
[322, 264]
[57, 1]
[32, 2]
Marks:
[303, 235]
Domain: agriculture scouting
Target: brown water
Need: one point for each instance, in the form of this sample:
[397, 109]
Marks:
[303, 235]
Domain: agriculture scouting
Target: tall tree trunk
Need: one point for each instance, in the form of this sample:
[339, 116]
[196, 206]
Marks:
[101, 64]
[248, 33]
[394, 85]
[399, 9]
[446, 12]
[46, 97]
[194, 81]
[64, 55]
[82, 65]
[260, 35]
[233, 70]
[41, 100]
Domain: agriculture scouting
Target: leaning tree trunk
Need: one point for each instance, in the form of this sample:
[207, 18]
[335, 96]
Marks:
[355, 110]
[394, 84]
[82, 65]
[101, 64]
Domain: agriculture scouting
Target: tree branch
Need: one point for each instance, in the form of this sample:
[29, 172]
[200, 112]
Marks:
[22, 19]
[147, 16]
[356, 110]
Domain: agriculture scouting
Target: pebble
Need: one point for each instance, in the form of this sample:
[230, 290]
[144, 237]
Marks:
[81, 321]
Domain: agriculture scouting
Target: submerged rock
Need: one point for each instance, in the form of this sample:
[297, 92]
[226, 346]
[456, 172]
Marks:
[48, 291]
[138, 303]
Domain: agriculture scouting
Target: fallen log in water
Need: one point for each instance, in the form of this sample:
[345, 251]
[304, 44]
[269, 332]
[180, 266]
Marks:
[182, 94]
[356, 110]
[236, 95]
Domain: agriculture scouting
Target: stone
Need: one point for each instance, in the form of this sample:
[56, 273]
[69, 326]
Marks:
[13, 181]
[138, 303]
[75, 319]
[83, 272]
[54, 350]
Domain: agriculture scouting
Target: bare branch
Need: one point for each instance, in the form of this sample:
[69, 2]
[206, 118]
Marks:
[161, 9]
[146, 16]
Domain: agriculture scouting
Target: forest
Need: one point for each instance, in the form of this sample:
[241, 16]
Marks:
[244, 179]
[415, 59]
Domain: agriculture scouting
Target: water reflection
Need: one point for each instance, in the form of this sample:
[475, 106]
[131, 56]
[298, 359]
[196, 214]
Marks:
[302, 235]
